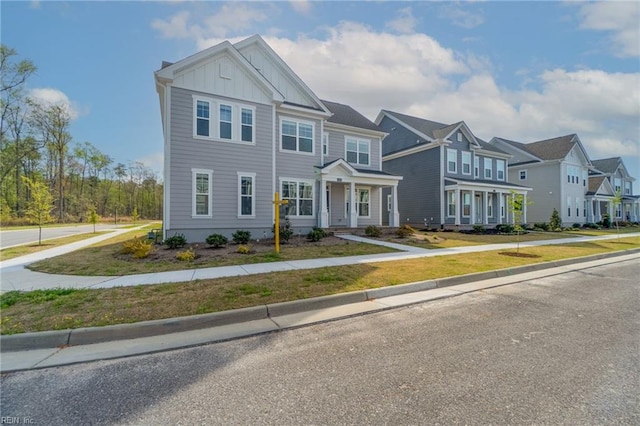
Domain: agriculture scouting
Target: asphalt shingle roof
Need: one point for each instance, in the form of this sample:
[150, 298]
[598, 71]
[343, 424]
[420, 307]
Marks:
[345, 115]
[606, 165]
[551, 149]
[594, 184]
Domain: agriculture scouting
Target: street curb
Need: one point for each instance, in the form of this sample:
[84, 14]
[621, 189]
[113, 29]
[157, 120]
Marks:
[91, 335]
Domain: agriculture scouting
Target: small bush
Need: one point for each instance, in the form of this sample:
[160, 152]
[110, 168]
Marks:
[543, 226]
[285, 230]
[405, 231]
[188, 255]
[606, 221]
[479, 229]
[176, 242]
[241, 236]
[577, 225]
[372, 231]
[316, 234]
[591, 226]
[555, 223]
[505, 228]
[138, 248]
[216, 240]
[243, 249]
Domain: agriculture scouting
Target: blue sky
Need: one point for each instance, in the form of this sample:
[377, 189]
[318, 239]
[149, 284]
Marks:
[520, 70]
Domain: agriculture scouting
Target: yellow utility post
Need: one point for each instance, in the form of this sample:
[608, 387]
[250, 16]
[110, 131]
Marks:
[277, 203]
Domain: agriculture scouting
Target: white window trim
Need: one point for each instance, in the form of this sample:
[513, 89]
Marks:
[358, 141]
[366, 188]
[462, 204]
[253, 195]
[520, 174]
[454, 152]
[313, 195]
[325, 143]
[459, 136]
[476, 167]
[214, 121]
[466, 154]
[501, 169]
[488, 171]
[453, 194]
[489, 206]
[297, 150]
[194, 174]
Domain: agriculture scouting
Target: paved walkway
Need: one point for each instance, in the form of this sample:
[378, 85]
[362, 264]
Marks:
[14, 275]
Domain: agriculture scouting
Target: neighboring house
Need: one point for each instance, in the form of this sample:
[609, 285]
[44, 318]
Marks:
[615, 172]
[557, 171]
[451, 178]
[240, 125]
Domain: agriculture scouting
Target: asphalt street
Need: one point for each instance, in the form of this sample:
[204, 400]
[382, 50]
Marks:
[558, 350]
[16, 237]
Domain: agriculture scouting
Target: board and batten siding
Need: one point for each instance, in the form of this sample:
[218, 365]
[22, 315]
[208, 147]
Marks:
[419, 195]
[226, 159]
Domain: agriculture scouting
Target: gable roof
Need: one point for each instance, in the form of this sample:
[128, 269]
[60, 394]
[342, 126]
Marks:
[596, 183]
[550, 149]
[607, 165]
[425, 127]
[347, 116]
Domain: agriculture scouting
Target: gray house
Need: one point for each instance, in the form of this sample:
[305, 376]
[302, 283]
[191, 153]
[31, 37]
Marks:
[451, 178]
[239, 125]
[615, 173]
[557, 171]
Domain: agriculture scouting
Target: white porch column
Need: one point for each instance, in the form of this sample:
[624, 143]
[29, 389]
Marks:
[353, 210]
[394, 214]
[486, 208]
[472, 219]
[500, 206]
[458, 206]
[324, 208]
[598, 211]
[610, 208]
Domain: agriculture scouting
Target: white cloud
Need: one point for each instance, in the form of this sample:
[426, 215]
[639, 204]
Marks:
[405, 22]
[176, 27]
[154, 161]
[620, 19]
[302, 7]
[460, 17]
[48, 96]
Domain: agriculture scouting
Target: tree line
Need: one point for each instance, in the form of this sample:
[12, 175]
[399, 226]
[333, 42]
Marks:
[37, 150]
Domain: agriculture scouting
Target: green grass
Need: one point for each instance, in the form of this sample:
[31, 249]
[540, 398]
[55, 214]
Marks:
[61, 309]
[23, 250]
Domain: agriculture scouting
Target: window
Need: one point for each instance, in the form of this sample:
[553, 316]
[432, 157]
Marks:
[357, 151]
[246, 195]
[466, 204]
[233, 123]
[247, 125]
[451, 203]
[490, 206]
[225, 121]
[362, 195]
[584, 208]
[617, 184]
[325, 143]
[459, 136]
[202, 185]
[584, 178]
[523, 175]
[476, 167]
[569, 206]
[577, 207]
[488, 166]
[466, 163]
[299, 194]
[203, 118]
[627, 188]
[500, 169]
[389, 200]
[296, 136]
[452, 160]
[619, 210]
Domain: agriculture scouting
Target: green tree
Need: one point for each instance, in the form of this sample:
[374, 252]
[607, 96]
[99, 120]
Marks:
[516, 204]
[93, 217]
[40, 205]
[555, 223]
[134, 215]
[617, 201]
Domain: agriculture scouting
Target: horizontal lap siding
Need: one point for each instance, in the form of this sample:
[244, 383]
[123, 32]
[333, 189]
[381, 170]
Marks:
[338, 149]
[225, 159]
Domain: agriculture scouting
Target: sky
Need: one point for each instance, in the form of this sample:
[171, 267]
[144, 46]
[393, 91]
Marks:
[523, 71]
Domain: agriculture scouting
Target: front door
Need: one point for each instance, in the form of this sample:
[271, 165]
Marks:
[478, 208]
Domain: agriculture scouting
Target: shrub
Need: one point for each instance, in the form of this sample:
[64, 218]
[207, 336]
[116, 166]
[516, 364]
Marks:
[241, 236]
[285, 230]
[478, 229]
[543, 226]
[316, 234]
[188, 255]
[243, 249]
[606, 221]
[176, 242]
[505, 228]
[138, 248]
[216, 240]
[555, 223]
[372, 231]
[404, 231]
[577, 225]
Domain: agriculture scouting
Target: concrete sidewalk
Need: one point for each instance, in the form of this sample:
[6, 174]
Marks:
[14, 276]
[64, 347]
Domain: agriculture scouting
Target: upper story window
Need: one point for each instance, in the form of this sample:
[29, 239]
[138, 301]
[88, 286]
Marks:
[627, 188]
[573, 174]
[488, 168]
[476, 167]
[223, 121]
[325, 144]
[466, 163]
[459, 136]
[357, 151]
[452, 160]
[500, 169]
[296, 136]
[523, 175]
[617, 184]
